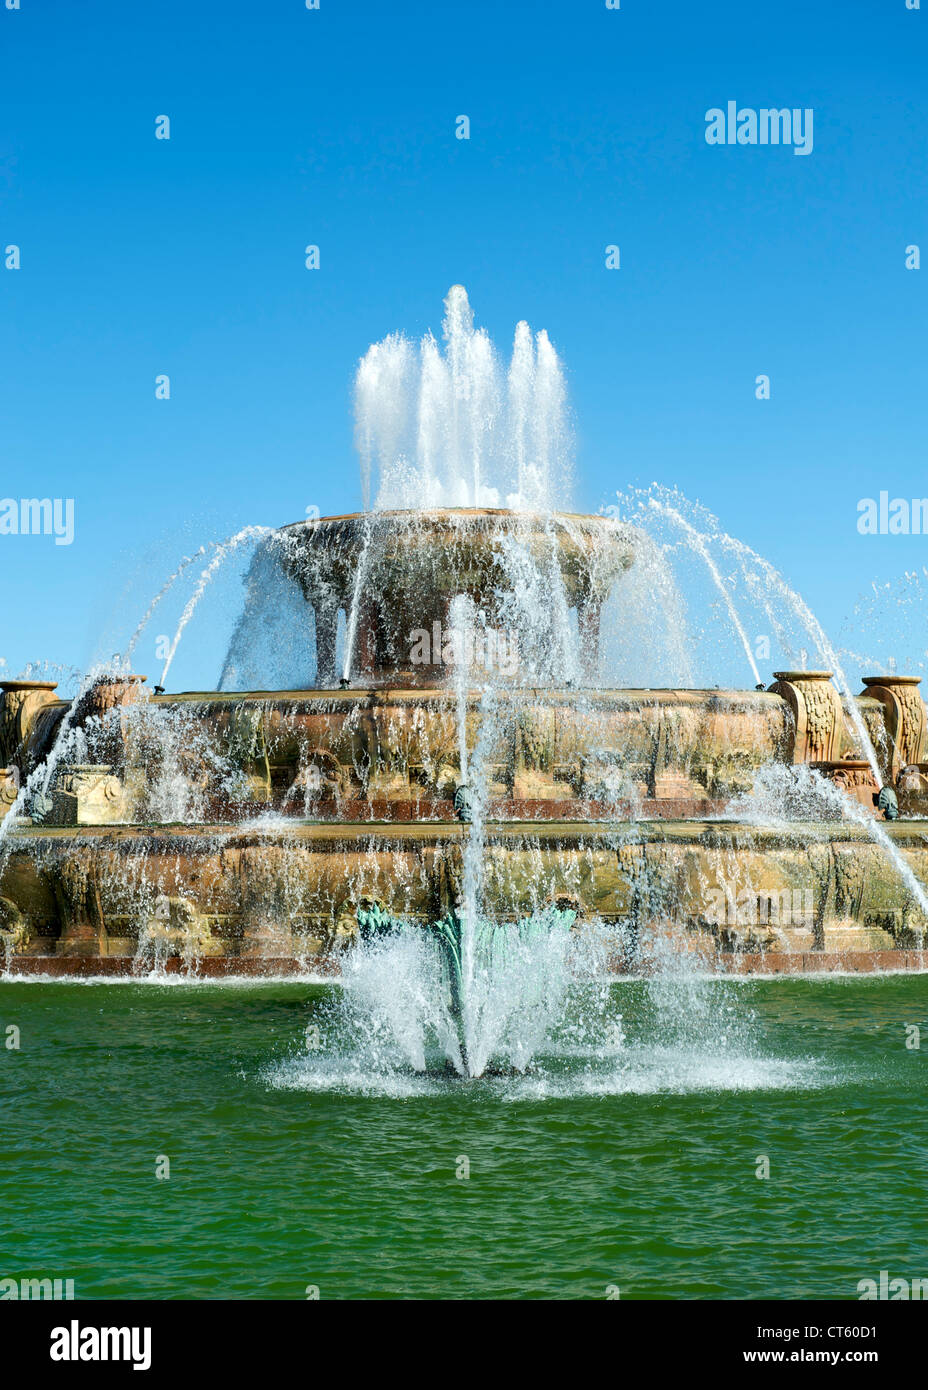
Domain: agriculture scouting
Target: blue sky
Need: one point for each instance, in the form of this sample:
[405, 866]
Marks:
[337, 127]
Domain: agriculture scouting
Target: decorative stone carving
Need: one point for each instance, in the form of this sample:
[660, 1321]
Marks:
[817, 713]
[905, 716]
[912, 789]
[9, 788]
[322, 778]
[536, 727]
[14, 929]
[853, 776]
[107, 693]
[87, 794]
[82, 929]
[176, 928]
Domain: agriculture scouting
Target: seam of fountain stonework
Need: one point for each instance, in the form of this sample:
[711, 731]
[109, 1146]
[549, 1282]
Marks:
[250, 832]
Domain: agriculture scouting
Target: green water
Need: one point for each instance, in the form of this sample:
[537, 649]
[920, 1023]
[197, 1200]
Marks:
[634, 1169]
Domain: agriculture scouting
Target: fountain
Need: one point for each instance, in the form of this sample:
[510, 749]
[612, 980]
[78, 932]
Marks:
[442, 760]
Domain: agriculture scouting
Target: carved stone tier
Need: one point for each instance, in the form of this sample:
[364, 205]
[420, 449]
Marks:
[95, 891]
[368, 754]
[402, 569]
[554, 754]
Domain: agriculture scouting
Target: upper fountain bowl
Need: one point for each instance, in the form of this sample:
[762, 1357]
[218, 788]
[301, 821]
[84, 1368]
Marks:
[395, 574]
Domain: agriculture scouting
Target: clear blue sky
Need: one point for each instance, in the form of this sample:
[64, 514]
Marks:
[337, 127]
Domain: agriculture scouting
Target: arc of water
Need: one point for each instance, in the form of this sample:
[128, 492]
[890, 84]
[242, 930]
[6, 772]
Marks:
[820, 637]
[699, 544]
[41, 777]
[771, 785]
[878, 832]
[166, 587]
[815, 630]
[830, 656]
[222, 552]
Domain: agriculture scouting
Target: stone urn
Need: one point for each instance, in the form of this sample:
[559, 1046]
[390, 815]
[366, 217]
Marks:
[817, 714]
[20, 704]
[905, 717]
[107, 693]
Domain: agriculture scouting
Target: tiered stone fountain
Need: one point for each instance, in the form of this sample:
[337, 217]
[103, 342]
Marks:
[458, 717]
[315, 807]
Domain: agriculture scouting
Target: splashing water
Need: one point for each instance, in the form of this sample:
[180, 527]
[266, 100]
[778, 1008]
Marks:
[395, 1013]
[558, 1027]
[784, 795]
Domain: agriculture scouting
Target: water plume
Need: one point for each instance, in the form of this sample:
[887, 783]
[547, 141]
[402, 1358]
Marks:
[453, 428]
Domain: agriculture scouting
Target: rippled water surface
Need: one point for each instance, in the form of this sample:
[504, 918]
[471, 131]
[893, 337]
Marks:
[628, 1159]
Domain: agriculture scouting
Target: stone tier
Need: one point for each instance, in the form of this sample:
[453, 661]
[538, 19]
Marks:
[399, 570]
[393, 754]
[247, 892]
